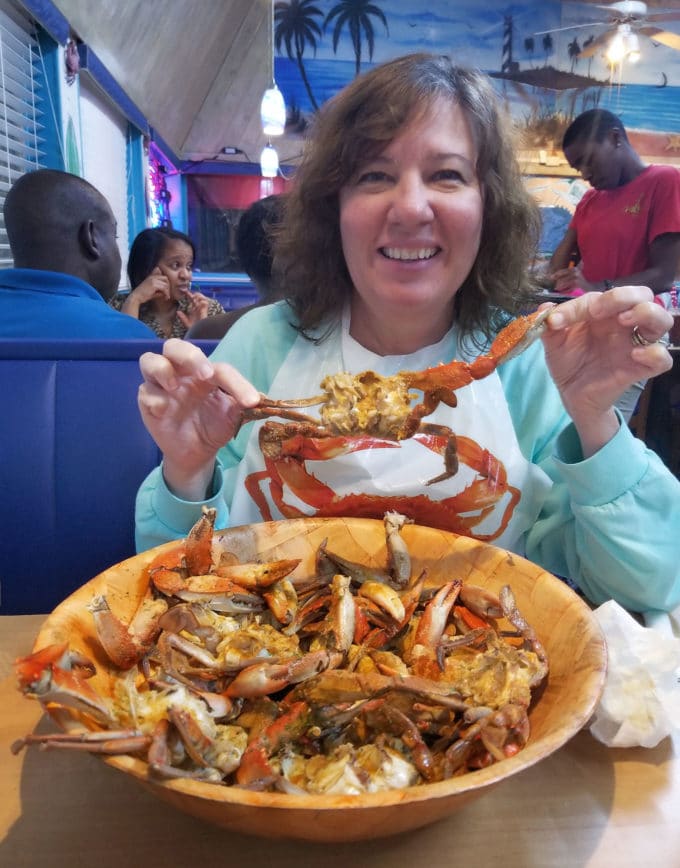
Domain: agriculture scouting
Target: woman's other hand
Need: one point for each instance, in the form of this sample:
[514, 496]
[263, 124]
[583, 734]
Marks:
[191, 408]
[593, 359]
[568, 279]
[198, 308]
[156, 285]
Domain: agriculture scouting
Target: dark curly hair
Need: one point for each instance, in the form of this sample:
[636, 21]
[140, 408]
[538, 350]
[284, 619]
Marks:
[355, 126]
[147, 249]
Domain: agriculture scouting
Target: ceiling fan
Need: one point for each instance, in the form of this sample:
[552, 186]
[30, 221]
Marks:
[625, 19]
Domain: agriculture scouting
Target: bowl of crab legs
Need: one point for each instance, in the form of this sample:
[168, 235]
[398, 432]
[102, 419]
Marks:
[326, 679]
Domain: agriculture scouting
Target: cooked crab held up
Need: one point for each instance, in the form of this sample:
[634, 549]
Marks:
[368, 403]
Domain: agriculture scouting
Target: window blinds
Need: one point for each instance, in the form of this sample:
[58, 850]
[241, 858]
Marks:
[20, 127]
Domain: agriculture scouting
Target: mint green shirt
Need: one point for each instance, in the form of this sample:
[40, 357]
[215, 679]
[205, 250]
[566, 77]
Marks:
[609, 523]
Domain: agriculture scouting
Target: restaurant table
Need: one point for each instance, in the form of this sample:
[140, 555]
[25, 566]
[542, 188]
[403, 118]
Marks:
[586, 805]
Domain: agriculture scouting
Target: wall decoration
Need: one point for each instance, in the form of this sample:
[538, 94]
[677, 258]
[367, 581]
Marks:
[158, 195]
[68, 118]
[546, 71]
[71, 61]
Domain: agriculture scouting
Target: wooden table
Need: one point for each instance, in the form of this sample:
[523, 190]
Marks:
[587, 805]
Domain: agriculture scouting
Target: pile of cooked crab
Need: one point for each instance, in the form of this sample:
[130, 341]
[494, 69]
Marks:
[352, 680]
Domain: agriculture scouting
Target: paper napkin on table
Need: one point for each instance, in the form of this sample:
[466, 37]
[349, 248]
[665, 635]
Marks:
[640, 704]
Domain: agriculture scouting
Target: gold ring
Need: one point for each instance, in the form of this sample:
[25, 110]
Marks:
[639, 340]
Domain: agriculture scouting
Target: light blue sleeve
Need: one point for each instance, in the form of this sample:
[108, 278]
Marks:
[255, 345]
[610, 522]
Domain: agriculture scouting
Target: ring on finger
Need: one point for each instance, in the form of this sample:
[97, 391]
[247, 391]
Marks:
[639, 340]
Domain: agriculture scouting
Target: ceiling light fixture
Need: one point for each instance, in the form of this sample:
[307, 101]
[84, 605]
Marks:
[632, 44]
[625, 45]
[269, 161]
[272, 107]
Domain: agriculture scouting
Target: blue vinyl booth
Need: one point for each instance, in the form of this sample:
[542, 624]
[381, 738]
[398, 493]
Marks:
[73, 451]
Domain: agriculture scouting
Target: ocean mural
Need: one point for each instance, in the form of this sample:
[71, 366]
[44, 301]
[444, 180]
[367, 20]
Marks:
[528, 48]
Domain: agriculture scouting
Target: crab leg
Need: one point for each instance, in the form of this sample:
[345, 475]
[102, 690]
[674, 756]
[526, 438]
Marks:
[516, 337]
[399, 557]
[480, 602]
[512, 613]
[255, 576]
[282, 600]
[198, 545]
[270, 676]
[31, 669]
[126, 645]
[402, 725]
[283, 409]
[328, 564]
[341, 616]
[410, 599]
[386, 598]
[255, 765]
[107, 742]
[433, 622]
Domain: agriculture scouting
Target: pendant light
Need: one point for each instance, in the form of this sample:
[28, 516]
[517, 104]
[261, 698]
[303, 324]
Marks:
[269, 161]
[273, 112]
[272, 107]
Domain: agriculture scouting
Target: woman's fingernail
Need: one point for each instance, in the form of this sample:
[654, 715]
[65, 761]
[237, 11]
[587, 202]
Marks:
[205, 371]
[556, 320]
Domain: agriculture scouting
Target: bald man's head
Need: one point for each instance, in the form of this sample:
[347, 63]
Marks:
[59, 222]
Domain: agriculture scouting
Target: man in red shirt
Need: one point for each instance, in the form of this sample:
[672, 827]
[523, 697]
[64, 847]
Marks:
[626, 230]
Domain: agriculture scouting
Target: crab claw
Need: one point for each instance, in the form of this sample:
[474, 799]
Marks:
[517, 336]
[125, 644]
[55, 674]
[198, 546]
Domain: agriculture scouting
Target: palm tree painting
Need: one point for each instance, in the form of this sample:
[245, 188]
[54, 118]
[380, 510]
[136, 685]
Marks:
[574, 49]
[356, 16]
[297, 29]
[547, 46]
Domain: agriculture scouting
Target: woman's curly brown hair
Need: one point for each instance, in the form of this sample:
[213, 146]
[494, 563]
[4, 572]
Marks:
[354, 127]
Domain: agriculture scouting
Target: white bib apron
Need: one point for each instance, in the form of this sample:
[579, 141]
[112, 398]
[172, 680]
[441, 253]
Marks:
[371, 481]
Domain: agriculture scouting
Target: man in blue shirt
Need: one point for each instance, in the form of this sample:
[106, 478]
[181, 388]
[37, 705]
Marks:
[62, 234]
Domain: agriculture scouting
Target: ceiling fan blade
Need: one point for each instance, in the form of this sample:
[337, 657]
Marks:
[571, 27]
[597, 43]
[665, 37]
[663, 16]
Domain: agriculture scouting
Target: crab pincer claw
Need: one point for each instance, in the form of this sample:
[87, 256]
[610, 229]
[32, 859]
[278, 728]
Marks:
[521, 333]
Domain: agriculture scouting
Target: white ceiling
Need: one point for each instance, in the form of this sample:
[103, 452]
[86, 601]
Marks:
[196, 69]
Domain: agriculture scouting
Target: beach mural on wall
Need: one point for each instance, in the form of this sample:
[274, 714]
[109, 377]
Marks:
[531, 50]
[536, 65]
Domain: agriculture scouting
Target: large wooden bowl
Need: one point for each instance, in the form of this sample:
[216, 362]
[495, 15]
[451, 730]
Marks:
[564, 623]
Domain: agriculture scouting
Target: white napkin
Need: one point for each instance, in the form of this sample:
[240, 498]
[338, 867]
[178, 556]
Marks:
[640, 704]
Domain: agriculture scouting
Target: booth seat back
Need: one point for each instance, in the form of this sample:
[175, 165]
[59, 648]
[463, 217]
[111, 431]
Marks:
[73, 452]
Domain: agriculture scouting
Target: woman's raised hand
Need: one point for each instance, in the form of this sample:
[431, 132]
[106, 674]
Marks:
[198, 308]
[593, 357]
[191, 408]
[156, 285]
